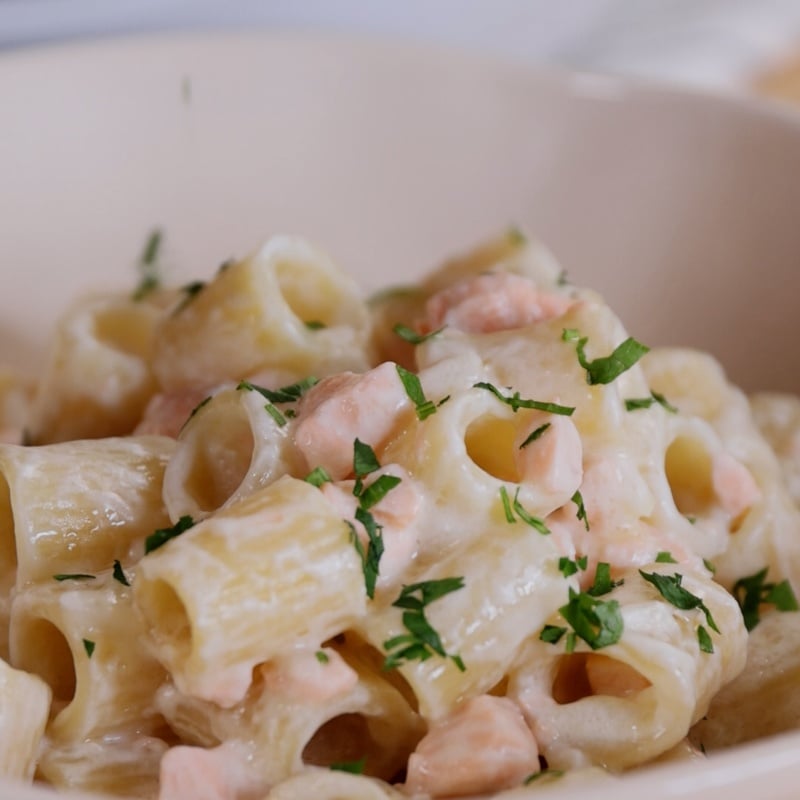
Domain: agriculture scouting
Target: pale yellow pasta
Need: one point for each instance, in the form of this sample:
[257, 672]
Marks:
[230, 447]
[329, 712]
[763, 699]
[15, 399]
[77, 506]
[501, 540]
[778, 419]
[98, 377]
[634, 699]
[511, 586]
[24, 708]
[280, 548]
[286, 307]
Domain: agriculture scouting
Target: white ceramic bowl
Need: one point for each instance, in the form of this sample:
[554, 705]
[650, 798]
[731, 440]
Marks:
[681, 208]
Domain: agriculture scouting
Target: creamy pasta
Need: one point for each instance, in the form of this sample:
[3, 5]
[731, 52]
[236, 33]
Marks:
[262, 538]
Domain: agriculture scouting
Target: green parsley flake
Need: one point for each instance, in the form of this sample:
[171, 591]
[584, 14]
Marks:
[322, 657]
[665, 557]
[608, 368]
[516, 237]
[416, 394]
[542, 776]
[73, 576]
[353, 767]
[598, 622]
[669, 587]
[276, 415]
[377, 490]
[286, 394]
[577, 498]
[602, 580]
[150, 279]
[190, 291]
[88, 646]
[753, 591]
[514, 506]
[633, 404]
[315, 325]
[568, 567]
[516, 402]
[161, 536]
[704, 640]
[318, 476]
[411, 336]
[552, 634]
[119, 575]
[422, 641]
[532, 437]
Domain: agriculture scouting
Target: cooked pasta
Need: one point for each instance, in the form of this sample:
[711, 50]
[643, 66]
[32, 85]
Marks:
[261, 539]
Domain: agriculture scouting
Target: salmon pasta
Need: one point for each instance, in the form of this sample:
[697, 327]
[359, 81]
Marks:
[263, 538]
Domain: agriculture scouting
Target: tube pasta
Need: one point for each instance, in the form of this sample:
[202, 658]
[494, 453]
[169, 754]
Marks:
[98, 379]
[285, 307]
[294, 552]
[502, 535]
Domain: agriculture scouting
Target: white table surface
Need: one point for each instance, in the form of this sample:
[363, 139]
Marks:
[704, 43]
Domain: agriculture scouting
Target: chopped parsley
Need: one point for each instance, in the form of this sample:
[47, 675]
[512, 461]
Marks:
[190, 291]
[411, 336]
[150, 275]
[552, 634]
[665, 557]
[365, 462]
[73, 576]
[669, 587]
[119, 575]
[205, 401]
[635, 403]
[88, 646]
[322, 657]
[516, 402]
[161, 536]
[704, 640]
[315, 324]
[753, 591]
[534, 435]
[422, 641]
[318, 476]
[577, 498]
[514, 506]
[516, 237]
[709, 566]
[353, 767]
[416, 394]
[569, 567]
[286, 394]
[598, 622]
[602, 580]
[608, 368]
[543, 774]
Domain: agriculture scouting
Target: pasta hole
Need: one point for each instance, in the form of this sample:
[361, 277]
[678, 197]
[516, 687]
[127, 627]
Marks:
[490, 444]
[40, 647]
[126, 330]
[221, 458]
[581, 675]
[689, 473]
[160, 603]
[308, 294]
[8, 543]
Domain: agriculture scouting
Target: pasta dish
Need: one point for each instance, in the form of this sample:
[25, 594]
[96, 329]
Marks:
[263, 538]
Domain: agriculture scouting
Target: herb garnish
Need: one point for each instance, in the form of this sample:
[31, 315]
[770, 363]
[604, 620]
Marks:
[598, 622]
[119, 575]
[532, 437]
[149, 267]
[88, 646]
[161, 536]
[516, 402]
[411, 336]
[569, 567]
[322, 657]
[542, 774]
[318, 476]
[577, 498]
[421, 641]
[73, 576]
[286, 394]
[607, 368]
[416, 394]
[665, 557]
[315, 324]
[514, 506]
[669, 586]
[635, 403]
[602, 580]
[353, 767]
[750, 592]
[190, 291]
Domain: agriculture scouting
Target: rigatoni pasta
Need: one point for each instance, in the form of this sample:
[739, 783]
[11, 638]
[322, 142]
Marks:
[448, 542]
